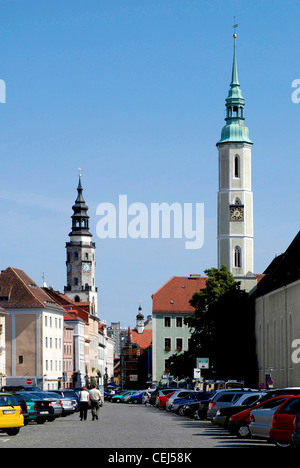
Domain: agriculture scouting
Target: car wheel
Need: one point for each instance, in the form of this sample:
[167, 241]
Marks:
[243, 431]
[118, 400]
[13, 431]
[281, 444]
[180, 411]
[135, 401]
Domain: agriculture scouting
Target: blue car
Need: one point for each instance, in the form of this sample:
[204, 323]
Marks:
[137, 398]
[194, 397]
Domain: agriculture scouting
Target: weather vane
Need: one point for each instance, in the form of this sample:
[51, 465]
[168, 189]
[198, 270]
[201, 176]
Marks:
[234, 27]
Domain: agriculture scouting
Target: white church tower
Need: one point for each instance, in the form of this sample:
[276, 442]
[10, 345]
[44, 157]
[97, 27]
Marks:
[235, 197]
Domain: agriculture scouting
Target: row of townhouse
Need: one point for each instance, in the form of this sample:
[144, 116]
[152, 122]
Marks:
[48, 340]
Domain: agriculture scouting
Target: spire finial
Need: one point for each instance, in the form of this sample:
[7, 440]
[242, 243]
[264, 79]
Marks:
[80, 171]
[235, 25]
[234, 75]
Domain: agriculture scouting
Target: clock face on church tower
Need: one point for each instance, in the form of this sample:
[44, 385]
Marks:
[236, 213]
[86, 267]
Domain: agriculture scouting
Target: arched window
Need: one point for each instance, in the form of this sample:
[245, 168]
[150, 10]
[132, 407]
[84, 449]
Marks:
[76, 299]
[237, 166]
[237, 257]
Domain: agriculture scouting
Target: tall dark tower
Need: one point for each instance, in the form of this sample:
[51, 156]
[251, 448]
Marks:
[81, 256]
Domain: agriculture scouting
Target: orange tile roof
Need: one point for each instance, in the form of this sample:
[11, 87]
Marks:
[143, 340]
[74, 308]
[175, 294]
[21, 291]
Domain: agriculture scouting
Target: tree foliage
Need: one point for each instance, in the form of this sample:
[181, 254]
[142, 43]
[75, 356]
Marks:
[222, 329]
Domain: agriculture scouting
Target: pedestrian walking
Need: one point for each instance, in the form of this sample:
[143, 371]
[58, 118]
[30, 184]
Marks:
[84, 398]
[95, 399]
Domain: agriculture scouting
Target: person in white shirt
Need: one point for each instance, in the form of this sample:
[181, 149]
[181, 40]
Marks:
[84, 398]
[95, 398]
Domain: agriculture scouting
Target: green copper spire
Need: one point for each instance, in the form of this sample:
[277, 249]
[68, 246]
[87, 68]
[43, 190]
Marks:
[235, 131]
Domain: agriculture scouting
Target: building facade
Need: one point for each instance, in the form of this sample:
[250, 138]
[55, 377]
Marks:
[3, 314]
[33, 332]
[170, 306]
[277, 313]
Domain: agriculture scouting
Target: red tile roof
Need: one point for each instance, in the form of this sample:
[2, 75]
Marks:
[143, 340]
[75, 309]
[175, 294]
[17, 290]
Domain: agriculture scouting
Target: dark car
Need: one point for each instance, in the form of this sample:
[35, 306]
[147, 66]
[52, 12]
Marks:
[21, 400]
[43, 408]
[223, 414]
[191, 407]
[20, 388]
[178, 404]
[296, 433]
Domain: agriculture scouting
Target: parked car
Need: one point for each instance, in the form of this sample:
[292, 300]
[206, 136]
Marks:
[222, 399]
[243, 402]
[146, 397]
[11, 418]
[178, 404]
[296, 431]
[191, 407]
[22, 402]
[137, 397]
[282, 428]
[20, 388]
[67, 404]
[261, 418]
[120, 397]
[44, 408]
[69, 393]
[164, 390]
[56, 403]
[238, 424]
[129, 395]
[32, 413]
[203, 405]
[109, 395]
[161, 400]
[183, 393]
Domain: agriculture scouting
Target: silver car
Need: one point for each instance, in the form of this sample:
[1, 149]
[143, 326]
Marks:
[55, 400]
[66, 404]
[222, 399]
[261, 418]
[178, 394]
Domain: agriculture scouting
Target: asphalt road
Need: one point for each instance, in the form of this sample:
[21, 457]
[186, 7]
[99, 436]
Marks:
[126, 426]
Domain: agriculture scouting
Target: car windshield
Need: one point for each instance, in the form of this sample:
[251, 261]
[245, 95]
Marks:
[53, 395]
[8, 400]
[70, 393]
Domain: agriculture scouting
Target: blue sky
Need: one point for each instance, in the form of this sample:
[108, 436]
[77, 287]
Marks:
[133, 92]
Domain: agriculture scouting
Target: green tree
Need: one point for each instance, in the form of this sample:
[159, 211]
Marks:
[222, 329]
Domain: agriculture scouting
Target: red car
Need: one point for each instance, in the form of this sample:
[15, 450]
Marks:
[161, 400]
[283, 422]
[239, 423]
